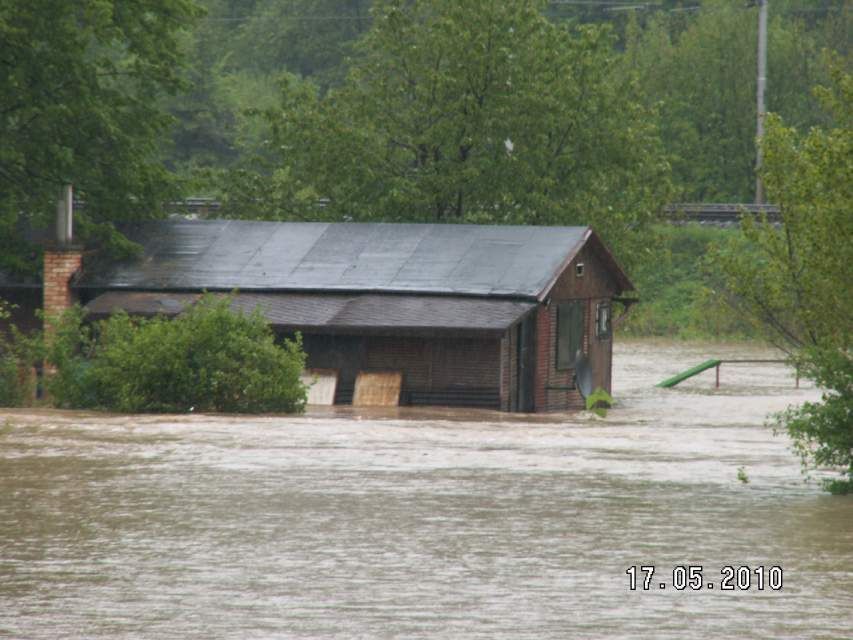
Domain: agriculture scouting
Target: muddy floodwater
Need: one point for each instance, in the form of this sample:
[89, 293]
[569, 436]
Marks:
[428, 523]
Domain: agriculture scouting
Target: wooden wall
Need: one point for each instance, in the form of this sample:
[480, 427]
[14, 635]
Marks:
[435, 370]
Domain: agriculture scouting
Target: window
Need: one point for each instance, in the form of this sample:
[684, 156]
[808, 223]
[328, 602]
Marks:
[602, 321]
[569, 333]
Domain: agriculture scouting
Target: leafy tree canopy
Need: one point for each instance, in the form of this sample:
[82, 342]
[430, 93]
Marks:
[481, 111]
[79, 89]
[795, 279]
[703, 73]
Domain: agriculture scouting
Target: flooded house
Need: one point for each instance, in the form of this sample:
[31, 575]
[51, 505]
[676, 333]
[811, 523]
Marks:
[469, 315]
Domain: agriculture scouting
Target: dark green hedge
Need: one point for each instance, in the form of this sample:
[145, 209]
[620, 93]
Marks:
[207, 359]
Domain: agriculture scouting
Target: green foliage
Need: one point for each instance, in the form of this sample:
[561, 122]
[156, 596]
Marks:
[702, 71]
[838, 487]
[481, 111]
[68, 351]
[599, 401]
[207, 359]
[238, 53]
[19, 353]
[79, 88]
[794, 280]
[680, 294]
[696, 69]
[823, 431]
[741, 476]
[305, 37]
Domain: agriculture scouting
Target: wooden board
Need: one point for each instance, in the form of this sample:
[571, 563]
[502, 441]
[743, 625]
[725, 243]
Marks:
[377, 389]
[322, 384]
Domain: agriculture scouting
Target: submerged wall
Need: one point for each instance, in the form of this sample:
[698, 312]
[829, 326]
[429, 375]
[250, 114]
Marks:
[436, 370]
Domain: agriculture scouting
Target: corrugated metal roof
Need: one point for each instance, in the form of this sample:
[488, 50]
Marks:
[366, 312]
[441, 259]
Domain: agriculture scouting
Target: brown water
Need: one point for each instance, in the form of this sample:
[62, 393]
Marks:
[429, 524]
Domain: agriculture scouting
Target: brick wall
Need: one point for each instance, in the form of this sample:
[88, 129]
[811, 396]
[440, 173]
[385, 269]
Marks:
[59, 268]
[544, 342]
[555, 388]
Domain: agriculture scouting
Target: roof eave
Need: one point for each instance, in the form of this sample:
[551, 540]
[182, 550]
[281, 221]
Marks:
[521, 297]
[620, 277]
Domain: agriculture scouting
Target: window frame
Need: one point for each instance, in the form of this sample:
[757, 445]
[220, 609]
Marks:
[561, 364]
[607, 333]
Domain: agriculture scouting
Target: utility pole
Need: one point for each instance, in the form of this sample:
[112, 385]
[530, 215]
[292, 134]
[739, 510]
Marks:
[760, 85]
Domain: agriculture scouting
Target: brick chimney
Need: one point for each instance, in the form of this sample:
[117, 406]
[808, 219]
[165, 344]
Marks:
[62, 259]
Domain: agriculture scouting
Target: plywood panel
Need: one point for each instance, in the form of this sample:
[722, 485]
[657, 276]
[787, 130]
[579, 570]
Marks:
[321, 384]
[378, 389]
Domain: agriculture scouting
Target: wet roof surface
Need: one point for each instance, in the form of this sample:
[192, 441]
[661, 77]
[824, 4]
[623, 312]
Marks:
[375, 257]
[14, 281]
[335, 311]
[141, 302]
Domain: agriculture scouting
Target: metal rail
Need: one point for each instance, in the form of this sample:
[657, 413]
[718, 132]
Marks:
[752, 361]
[715, 364]
[720, 212]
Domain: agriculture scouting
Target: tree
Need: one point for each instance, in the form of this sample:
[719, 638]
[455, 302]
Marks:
[236, 55]
[482, 111]
[209, 358]
[305, 37]
[79, 88]
[703, 74]
[795, 279]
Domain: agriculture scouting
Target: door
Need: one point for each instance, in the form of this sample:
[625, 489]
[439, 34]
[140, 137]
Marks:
[526, 362]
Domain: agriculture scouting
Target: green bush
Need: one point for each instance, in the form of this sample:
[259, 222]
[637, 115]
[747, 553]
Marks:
[599, 401]
[19, 353]
[9, 387]
[679, 292]
[207, 359]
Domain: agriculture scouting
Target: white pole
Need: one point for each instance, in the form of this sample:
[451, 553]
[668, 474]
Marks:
[761, 84]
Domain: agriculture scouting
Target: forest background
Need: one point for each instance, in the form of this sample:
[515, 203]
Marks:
[562, 112]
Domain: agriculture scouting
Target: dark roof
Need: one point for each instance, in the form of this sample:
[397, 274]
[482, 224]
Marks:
[144, 303]
[351, 313]
[10, 280]
[221, 255]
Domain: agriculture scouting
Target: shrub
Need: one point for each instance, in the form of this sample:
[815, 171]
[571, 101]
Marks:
[10, 395]
[599, 401]
[19, 353]
[207, 359]
[679, 289]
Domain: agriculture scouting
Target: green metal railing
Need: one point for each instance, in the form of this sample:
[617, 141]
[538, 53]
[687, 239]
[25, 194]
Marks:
[715, 363]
